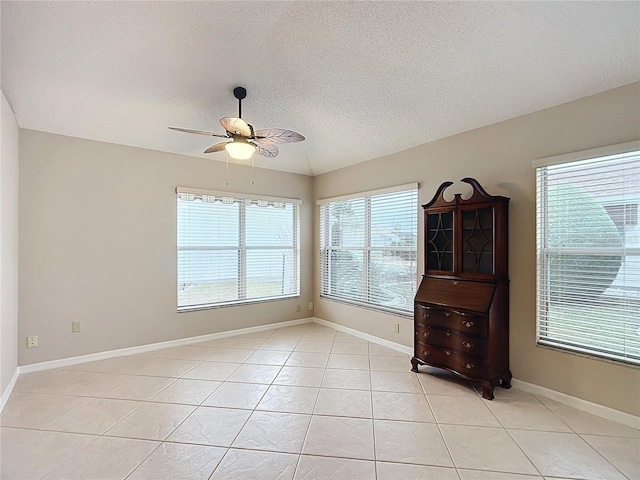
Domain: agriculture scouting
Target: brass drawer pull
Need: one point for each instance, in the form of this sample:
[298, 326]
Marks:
[455, 282]
[469, 365]
[446, 314]
[448, 333]
[447, 352]
[425, 334]
[467, 344]
[426, 353]
[467, 323]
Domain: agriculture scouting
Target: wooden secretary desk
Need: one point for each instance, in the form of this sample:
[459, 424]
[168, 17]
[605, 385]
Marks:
[461, 310]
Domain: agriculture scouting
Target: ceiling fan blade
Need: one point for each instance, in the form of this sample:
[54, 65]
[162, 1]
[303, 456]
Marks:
[199, 132]
[218, 147]
[278, 135]
[267, 150]
[237, 126]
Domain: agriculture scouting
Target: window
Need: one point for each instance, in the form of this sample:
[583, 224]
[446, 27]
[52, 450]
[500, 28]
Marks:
[234, 248]
[368, 248]
[588, 253]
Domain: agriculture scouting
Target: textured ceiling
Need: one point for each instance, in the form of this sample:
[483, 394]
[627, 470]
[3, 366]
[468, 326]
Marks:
[358, 79]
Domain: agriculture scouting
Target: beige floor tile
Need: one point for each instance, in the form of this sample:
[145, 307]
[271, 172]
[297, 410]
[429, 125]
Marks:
[402, 406]
[351, 348]
[236, 395]
[274, 432]
[404, 442]
[168, 367]
[234, 342]
[395, 382]
[311, 346]
[564, 455]
[283, 344]
[300, 376]
[485, 448]
[65, 382]
[485, 475]
[184, 352]
[37, 410]
[283, 398]
[39, 454]
[250, 373]
[254, 465]
[139, 388]
[308, 359]
[347, 379]
[439, 382]
[217, 371]
[348, 362]
[268, 357]
[230, 355]
[328, 468]
[179, 461]
[128, 364]
[318, 336]
[390, 364]
[343, 403]
[403, 471]
[525, 412]
[106, 458]
[187, 391]
[462, 410]
[94, 417]
[586, 423]
[340, 437]
[152, 421]
[347, 337]
[622, 453]
[211, 426]
[375, 350]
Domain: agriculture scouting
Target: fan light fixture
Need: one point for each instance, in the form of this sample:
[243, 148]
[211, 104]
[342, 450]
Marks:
[240, 149]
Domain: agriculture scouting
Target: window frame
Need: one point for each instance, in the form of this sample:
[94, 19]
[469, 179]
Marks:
[544, 252]
[244, 201]
[367, 248]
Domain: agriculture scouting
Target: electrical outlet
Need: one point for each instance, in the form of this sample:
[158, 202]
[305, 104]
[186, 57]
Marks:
[32, 342]
[76, 327]
[310, 305]
[396, 328]
[298, 308]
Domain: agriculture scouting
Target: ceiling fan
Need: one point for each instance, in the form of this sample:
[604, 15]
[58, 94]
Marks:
[244, 141]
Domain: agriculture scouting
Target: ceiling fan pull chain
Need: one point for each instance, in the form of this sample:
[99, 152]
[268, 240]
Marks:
[227, 173]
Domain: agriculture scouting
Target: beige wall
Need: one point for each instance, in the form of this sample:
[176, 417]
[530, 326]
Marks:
[9, 135]
[98, 244]
[500, 157]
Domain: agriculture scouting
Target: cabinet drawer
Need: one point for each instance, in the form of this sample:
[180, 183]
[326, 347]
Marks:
[451, 339]
[450, 319]
[449, 358]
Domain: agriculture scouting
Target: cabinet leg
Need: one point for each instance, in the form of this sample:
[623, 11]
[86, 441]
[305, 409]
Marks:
[505, 380]
[414, 364]
[487, 391]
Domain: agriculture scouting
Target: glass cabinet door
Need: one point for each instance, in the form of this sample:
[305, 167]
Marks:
[478, 241]
[439, 241]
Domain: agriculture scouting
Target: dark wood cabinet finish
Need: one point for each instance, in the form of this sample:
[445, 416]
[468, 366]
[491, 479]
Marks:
[461, 314]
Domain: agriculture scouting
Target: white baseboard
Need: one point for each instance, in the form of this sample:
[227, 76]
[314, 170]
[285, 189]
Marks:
[584, 405]
[66, 362]
[357, 333]
[7, 391]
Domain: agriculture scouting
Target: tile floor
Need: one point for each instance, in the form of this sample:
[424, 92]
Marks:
[301, 402]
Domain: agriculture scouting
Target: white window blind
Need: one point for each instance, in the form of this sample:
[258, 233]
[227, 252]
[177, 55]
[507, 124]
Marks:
[368, 248]
[234, 248]
[588, 256]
